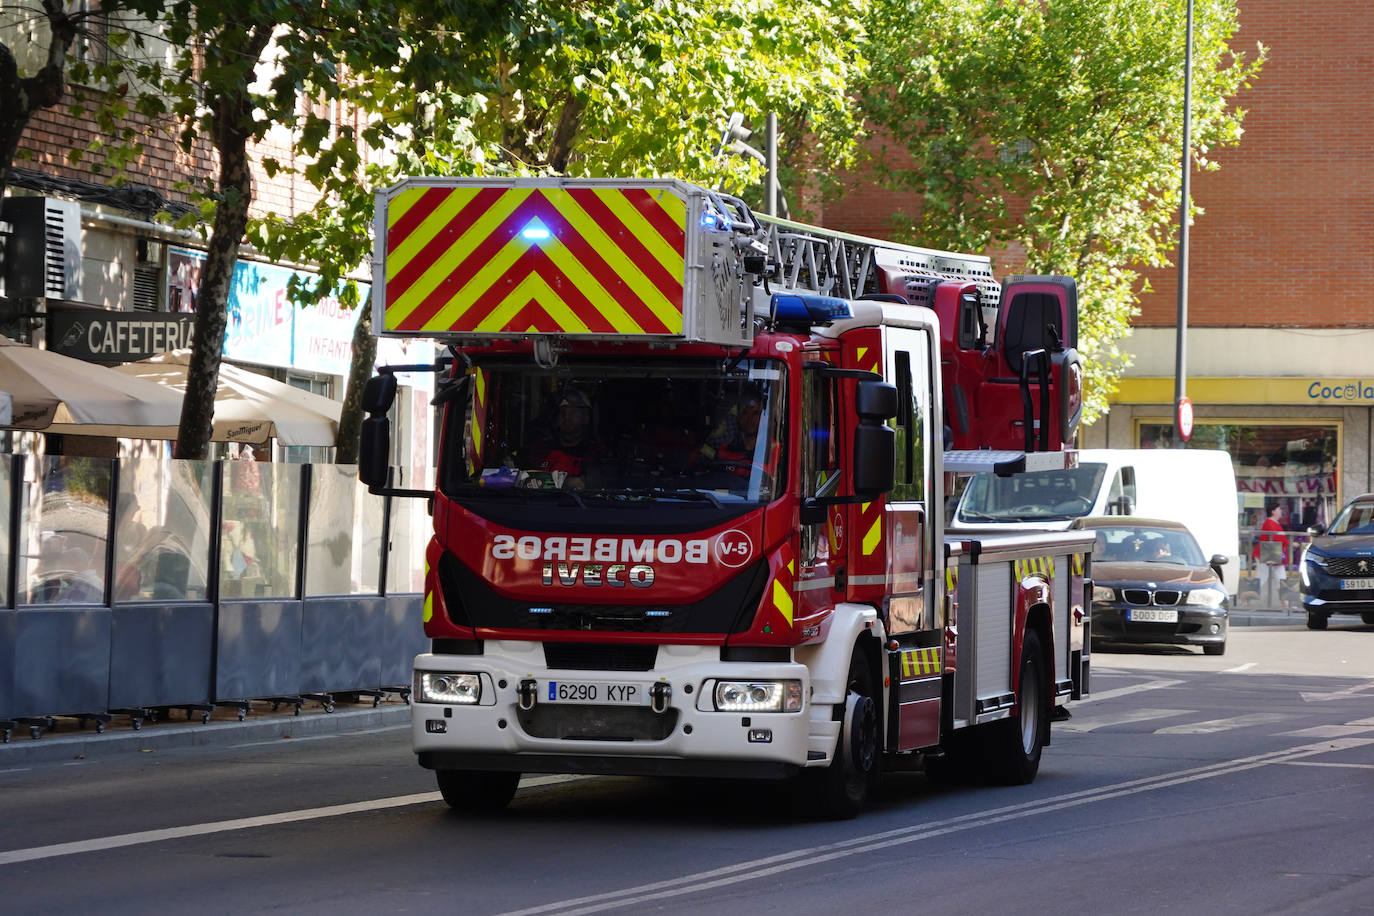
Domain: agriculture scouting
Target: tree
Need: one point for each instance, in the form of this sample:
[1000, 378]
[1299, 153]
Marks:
[575, 88]
[239, 70]
[1054, 129]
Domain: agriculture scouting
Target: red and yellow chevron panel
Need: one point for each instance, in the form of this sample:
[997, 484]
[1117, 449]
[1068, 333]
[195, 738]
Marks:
[472, 259]
[920, 663]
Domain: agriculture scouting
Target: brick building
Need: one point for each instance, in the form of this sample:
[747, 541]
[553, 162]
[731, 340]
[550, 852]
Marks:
[1280, 351]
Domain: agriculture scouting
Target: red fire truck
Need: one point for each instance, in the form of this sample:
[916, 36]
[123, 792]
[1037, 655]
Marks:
[689, 513]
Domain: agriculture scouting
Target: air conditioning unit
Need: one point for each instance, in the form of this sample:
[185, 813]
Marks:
[42, 254]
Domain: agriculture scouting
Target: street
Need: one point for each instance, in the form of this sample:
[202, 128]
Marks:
[1238, 784]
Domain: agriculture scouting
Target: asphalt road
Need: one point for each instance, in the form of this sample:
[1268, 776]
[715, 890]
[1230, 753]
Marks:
[1187, 784]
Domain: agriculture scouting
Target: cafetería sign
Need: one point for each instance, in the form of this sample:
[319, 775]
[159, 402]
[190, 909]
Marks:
[98, 335]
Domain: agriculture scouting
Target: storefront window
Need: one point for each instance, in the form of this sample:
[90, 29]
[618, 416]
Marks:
[1291, 466]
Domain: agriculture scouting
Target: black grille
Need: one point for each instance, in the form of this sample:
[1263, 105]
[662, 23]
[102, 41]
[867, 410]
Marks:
[597, 723]
[592, 656]
[1144, 596]
[1349, 567]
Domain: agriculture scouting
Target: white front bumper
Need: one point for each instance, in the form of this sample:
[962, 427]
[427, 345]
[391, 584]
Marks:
[447, 734]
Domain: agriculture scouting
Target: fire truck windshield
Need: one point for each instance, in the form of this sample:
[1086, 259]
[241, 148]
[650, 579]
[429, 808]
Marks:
[706, 433]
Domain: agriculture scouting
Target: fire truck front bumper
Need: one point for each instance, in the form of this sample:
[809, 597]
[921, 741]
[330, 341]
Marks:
[692, 714]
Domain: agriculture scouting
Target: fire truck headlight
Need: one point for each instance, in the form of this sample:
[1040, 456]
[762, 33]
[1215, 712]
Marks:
[758, 696]
[443, 687]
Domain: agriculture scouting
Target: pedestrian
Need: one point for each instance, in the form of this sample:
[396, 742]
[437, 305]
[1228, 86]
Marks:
[1271, 557]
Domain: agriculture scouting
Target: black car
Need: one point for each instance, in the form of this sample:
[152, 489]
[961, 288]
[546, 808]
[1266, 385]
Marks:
[1151, 584]
[1337, 570]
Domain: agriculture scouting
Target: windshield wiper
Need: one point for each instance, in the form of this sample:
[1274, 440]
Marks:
[659, 493]
[523, 492]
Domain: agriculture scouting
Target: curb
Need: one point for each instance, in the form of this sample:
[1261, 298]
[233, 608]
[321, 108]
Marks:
[1267, 618]
[166, 736]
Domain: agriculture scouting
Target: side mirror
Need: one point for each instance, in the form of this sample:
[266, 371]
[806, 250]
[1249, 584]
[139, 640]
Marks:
[379, 393]
[1317, 530]
[1122, 505]
[875, 443]
[875, 400]
[1217, 562]
[374, 450]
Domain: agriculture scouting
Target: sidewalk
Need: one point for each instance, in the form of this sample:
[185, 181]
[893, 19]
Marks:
[69, 739]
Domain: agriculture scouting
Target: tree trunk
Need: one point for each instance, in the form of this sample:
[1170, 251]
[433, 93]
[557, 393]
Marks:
[231, 112]
[212, 303]
[359, 371]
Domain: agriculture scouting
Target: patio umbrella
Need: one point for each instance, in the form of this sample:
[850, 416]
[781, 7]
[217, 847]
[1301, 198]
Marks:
[46, 388]
[248, 407]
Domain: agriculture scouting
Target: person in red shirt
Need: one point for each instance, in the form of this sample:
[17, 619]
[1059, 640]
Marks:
[1271, 557]
[570, 449]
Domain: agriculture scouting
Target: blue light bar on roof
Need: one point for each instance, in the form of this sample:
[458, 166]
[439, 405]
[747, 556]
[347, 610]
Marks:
[809, 310]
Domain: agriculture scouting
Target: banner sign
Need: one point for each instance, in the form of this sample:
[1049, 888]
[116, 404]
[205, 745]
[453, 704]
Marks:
[264, 325]
[101, 336]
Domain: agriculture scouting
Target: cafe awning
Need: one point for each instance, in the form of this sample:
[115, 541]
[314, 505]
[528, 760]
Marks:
[47, 389]
[249, 406]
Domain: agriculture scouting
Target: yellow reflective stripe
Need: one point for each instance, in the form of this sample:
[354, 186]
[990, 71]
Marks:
[429, 596]
[782, 600]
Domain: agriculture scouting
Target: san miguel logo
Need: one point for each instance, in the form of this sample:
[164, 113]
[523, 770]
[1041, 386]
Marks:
[618, 562]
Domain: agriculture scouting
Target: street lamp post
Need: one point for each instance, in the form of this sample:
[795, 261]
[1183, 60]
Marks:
[1181, 338]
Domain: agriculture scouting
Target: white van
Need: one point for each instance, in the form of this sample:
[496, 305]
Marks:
[1194, 486]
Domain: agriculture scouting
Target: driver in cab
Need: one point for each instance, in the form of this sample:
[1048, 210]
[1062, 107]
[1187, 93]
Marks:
[570, 449]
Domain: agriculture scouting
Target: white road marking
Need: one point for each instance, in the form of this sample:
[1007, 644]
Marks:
[243, 823]
[1125, 717]
[809, 858]
[1239, 668]
[1328, 731]
[1315, 763]
[1221, 725]
[1337, 694]
[1125, 691]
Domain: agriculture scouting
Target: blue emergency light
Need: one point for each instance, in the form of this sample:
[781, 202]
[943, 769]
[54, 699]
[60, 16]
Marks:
[809, 310]
[535, 231]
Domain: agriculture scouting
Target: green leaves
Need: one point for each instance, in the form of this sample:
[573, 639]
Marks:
[1054, 130]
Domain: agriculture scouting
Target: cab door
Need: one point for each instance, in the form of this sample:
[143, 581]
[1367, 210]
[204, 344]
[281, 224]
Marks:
[915, 654]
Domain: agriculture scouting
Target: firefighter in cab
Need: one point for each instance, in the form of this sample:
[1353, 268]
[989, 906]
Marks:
[569, 451]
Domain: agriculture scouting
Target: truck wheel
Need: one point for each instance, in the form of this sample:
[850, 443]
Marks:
[1316, 621]
[844, 786]
[1013, 746]
[477, 791]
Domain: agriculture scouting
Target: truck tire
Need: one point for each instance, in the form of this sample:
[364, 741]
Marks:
[477, 791]
[1013, 746]
[842, 788]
